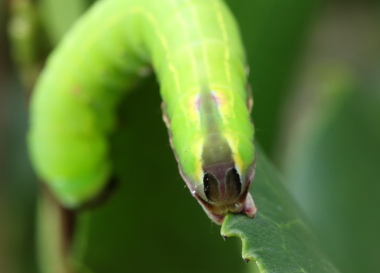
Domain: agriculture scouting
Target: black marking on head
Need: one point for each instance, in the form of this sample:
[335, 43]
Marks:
[222, 184]
[211, 187]
[233, 183]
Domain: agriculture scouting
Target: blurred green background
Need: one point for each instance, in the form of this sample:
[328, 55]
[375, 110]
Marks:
[315, 76]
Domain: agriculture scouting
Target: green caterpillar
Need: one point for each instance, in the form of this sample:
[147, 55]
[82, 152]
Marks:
[197, 55]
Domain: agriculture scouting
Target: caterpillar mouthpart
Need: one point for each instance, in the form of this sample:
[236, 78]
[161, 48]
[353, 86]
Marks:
[224, 190]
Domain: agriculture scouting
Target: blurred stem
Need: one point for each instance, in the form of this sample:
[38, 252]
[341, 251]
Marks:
[28, 27]
[51, 236]
[25, 36]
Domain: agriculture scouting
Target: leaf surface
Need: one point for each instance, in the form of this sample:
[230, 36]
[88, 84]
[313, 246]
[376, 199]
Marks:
[278, 238]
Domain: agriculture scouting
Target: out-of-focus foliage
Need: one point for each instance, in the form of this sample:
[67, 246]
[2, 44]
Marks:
[52, 16]
[331, 140]
[274, 33]
[334, 163]
[17, 185]
[321, 123]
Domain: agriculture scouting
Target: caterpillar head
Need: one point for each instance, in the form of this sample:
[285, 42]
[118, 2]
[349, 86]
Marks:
[218, 162]
[221, 186]
[225, 190]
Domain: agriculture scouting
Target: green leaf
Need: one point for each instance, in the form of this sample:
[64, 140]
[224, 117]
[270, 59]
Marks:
[278, 238]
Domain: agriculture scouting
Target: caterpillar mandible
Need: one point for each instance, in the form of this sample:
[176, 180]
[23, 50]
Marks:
[197, 54]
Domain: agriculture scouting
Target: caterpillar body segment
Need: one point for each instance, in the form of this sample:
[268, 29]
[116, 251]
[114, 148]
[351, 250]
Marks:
[195, 50]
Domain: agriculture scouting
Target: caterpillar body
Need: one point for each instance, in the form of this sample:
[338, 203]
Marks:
[196, 52]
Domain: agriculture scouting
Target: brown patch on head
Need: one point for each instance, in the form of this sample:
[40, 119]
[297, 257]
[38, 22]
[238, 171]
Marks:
[222, 185]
